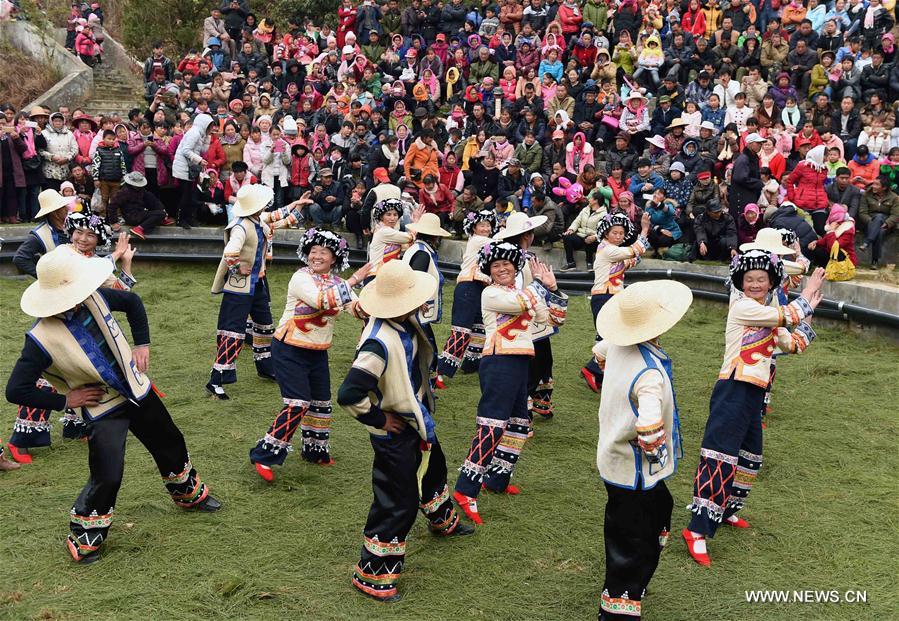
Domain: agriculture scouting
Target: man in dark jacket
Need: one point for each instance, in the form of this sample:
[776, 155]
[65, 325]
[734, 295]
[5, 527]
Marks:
[328, 197]
[847, 124]
[512, 182]
[622, 153]
[554, 152]
[551, 230]
[662, 116]
[786, 217]
[716, 234]
[842, 191]
[746, 181]
[140, 209]
[453, 17]
[876, 76]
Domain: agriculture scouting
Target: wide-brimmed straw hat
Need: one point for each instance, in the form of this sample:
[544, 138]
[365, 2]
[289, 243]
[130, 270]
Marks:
[768, 239]
[428, 224]
[50, 200]
[643, 311]
[64, 279]
[251, 199]
[38, 111]
[397, 290]
[519, 223]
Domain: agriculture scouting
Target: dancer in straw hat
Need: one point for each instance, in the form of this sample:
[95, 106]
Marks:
[503, 420]
[519, 230]
[47, 235]
[31, 428]
[612, 260]
[422, 257]
[240, 279]
[315, 296]
[466, 340]
[639, 436]
[731, 453]
[81, 349]
[387, 390]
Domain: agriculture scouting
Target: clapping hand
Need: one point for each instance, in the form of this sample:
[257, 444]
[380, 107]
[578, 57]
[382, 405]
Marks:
[417, 213]
[812, 292]
[121, 246]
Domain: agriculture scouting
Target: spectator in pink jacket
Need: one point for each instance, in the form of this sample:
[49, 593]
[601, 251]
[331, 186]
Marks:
[578, 154]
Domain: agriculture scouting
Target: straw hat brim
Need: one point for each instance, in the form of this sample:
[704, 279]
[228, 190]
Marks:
[426, 228]
[775, 248]
[792, 268]
[41, 301]
[671, 300]
[421, 288]
[533, 222]
[254, 203]
[52, 205]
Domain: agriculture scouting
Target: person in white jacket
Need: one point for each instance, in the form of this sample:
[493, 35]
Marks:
[276, 164]
[186, 167]
[639, 436]
[61, 150]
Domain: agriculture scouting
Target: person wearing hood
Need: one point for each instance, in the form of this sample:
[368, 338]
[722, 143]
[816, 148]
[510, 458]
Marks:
[787, 217]
[578, 154]
[60, 151]
[805, 187]
[749, 224]
[839, 230]
[689, 157]
[187, 164]
[678, 185]
[421, 158]
[650, 60]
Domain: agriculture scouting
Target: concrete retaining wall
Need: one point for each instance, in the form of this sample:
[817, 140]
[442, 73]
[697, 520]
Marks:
[77, 82]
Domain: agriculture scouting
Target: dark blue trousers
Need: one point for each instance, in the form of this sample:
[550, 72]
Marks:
[731, 454]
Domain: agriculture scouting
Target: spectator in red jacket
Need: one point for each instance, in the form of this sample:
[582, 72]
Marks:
[805, 187]
[215, 155]
[436, 198]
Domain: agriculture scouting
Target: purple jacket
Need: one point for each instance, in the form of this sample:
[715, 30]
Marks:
[17, 148]
[136, 147]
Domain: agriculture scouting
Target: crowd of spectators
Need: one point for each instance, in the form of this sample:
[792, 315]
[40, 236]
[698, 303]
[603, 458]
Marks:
[715, 118]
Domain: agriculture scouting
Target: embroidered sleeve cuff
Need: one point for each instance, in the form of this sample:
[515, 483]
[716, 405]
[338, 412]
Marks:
[127, 279]
[641, 245]
[539, 290]
[343, 293]
[804, 335]
[804, 308]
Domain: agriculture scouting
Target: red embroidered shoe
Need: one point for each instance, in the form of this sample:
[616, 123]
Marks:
[167, 221]
[439, 383]
[330, 462]
[696, 547]
[19, 455]
[737, 522]
[511, 490]
[469, 507]
[138, 231]
[265, 472]
[591, 381]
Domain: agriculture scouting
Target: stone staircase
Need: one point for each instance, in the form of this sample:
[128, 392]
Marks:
[114, 91]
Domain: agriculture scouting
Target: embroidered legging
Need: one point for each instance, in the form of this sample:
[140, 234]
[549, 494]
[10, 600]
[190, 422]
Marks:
[503, 424]
[731, 454]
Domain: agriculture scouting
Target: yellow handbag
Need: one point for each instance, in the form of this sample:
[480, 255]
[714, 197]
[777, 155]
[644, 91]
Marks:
[839, 269]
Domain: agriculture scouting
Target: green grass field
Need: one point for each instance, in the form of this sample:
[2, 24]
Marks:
[824, 510]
